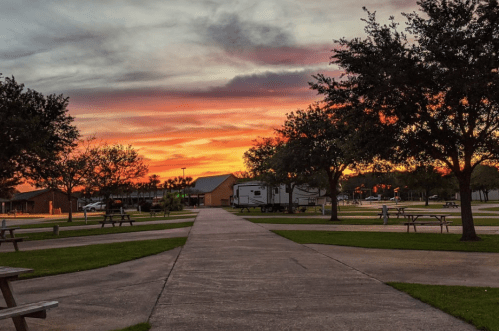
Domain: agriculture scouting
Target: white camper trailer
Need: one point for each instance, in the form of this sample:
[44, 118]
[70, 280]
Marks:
[268, 198]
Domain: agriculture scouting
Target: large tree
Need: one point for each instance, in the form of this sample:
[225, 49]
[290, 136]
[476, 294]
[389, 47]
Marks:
[325, 139]
[437, 85]
[426, 178]
[115, 165]
[35, 129]
[71, 169]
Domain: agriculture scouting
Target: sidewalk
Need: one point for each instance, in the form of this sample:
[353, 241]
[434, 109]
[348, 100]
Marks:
[236, 275]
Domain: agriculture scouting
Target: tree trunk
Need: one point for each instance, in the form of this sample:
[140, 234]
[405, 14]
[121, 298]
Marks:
[469, 233]
[427, 198]
[70, 216]
[290, 200]
[333, 184]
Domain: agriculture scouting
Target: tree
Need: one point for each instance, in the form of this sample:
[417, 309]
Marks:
[437, 87]
[485, 178]
[327, 139]
[153, 183]
[115, 165]
[70, 170]
[426, 178]
[35, 129]
[275, 162]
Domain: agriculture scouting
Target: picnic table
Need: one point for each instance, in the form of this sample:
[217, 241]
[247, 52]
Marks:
[450, 204]
[12, 239]
[400, 211]
[440, 220]
[153, 212]
[124, 218]
[18, 313]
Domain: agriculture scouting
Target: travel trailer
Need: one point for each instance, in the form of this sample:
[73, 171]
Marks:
[273, 198]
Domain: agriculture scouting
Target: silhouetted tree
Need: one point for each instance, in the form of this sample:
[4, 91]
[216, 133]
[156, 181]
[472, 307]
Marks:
[436, 86]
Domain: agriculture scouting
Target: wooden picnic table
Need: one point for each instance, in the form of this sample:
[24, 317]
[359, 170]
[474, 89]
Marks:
[440, 220]
[400, 211]
[19, 312]
[124, 218]
[12, 239]
[153, 212]
[449, 204]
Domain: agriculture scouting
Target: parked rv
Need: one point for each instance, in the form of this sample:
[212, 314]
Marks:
[273, 198]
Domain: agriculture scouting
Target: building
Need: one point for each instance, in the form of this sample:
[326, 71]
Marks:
[213, 191]
[46, 201]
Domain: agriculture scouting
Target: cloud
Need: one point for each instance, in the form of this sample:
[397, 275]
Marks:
[232, 34]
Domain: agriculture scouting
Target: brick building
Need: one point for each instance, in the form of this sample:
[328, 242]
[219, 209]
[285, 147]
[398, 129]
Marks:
[40, 202]
[213, 191]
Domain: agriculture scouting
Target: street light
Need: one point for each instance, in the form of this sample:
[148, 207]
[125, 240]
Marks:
[183, 178]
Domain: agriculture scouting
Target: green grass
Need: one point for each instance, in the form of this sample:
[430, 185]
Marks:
[491, 209]
[71, 259]
[95, 220]
[391, 240]
[476, 305]
[137, 327]
[106, 230]
[304, 220]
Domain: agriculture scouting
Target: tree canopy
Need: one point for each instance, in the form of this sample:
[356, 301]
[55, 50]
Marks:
[35, 129]
[435, 85]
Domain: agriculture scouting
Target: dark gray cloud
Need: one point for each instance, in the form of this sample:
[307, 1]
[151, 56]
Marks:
[233, 34]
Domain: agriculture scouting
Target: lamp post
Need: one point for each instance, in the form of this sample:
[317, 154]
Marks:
[183, 179]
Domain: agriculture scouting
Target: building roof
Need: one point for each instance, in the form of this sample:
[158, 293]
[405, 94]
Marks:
[31, 194]
[208, 184]
[28, 195]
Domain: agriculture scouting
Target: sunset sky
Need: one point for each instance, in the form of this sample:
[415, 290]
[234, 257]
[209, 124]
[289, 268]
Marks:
[187, 83]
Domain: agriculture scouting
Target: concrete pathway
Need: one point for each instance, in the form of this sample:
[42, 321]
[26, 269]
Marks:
[375, 228]
[236, 275]
[233, 274]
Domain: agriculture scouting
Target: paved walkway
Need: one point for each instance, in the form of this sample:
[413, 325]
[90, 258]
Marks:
[236, 275]
[233, 274]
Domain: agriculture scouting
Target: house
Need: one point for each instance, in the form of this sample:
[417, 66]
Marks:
[46, 201]
[213, 191]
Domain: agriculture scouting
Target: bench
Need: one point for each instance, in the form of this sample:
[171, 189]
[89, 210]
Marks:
[450, 204]
[33, 310]
[441, 224]
[107, 222]
[388, 215]
[13, 241]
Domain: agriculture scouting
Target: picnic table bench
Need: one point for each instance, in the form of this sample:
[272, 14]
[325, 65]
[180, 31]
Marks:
[400, 211]
[18, 313]
[153, 212]
[124, 218]
[450, 204]
[12, 239]
[440, 220]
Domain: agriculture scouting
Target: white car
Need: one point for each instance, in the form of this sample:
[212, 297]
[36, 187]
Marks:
[95, 206]
[372, 198]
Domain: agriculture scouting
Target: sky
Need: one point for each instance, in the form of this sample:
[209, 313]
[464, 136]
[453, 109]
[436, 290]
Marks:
[190, 84]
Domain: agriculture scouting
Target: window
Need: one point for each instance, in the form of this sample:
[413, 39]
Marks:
[287, 190]
[257, 193]
[276, 190]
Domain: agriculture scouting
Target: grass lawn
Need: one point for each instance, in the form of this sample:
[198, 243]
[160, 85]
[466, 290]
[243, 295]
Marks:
[304, 220]
[101, 231]
[392, 240]
[94, 221]
[491, 209]
[476, 305]
[137, 327]
[71, 259]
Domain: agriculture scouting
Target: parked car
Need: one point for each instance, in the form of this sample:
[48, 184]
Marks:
[433, 197]
[372, 198]
[95, 206]
[395, 199]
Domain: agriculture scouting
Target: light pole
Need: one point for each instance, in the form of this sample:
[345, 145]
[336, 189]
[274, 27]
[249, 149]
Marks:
[183, 179]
